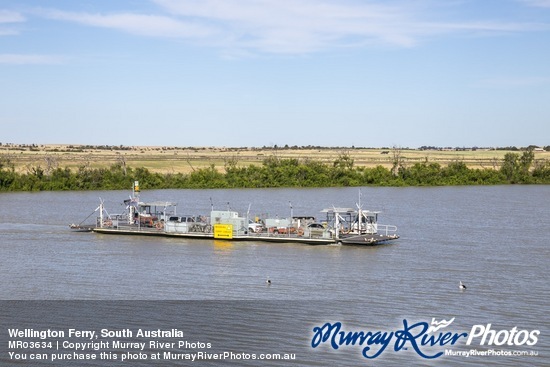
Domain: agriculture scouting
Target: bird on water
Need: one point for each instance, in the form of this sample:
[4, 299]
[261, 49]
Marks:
[461, 286]
[268, 281]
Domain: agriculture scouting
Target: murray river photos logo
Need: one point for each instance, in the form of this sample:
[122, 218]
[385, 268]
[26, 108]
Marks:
[426, 339]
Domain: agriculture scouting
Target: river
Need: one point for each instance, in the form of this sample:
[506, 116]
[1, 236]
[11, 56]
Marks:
[493, 238]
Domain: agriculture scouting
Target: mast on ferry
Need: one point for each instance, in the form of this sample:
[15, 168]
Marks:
[360, 213]
[133, 205]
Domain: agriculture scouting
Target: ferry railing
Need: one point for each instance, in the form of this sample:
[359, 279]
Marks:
[387, 228]
[287, 232]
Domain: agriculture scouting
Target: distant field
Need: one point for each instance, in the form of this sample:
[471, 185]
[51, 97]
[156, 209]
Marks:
[185, 160]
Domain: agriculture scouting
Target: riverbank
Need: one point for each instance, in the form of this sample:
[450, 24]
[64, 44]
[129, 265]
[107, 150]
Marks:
[188, 159]
[273, 171]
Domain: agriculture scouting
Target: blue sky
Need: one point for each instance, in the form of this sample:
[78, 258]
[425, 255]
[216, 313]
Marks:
[252, 73]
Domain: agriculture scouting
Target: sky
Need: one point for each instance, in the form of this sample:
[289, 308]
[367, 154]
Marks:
[254, 73]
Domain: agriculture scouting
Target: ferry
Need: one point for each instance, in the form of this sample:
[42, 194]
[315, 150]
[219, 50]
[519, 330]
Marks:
[346, 226]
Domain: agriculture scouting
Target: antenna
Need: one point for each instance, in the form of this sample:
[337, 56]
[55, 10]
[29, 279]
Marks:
[360, 215]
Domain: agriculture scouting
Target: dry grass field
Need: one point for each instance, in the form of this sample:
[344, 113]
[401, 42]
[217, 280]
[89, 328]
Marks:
[184, 160]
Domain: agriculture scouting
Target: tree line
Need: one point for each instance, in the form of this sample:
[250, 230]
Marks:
[276, 172]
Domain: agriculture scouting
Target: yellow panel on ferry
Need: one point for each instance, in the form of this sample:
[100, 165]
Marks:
[224, 231]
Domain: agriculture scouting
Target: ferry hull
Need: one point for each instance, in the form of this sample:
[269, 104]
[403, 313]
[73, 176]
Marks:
[367, 240]
[210, 236]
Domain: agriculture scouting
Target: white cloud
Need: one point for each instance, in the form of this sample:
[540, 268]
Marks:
[312, 25]
[299, 26]
[538, 3]
[140, 24]
[9, 17]
[291, 26]
[30, 59]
